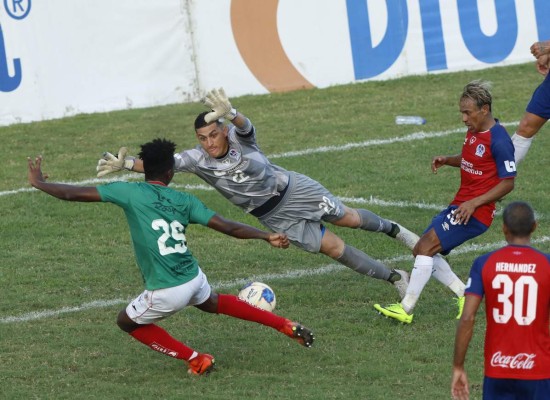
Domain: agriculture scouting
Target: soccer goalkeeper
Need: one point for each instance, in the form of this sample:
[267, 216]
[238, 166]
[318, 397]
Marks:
[229, 159]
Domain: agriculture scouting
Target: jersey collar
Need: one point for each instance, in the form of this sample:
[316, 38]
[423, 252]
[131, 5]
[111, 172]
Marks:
[156, 183]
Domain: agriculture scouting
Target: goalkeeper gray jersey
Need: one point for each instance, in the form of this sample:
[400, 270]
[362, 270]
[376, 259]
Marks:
[244, 176]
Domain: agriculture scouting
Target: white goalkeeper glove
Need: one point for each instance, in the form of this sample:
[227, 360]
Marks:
[218, 102]
[109, 163]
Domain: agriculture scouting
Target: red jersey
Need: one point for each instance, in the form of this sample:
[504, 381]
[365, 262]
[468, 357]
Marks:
[515, 281]
[487, 158]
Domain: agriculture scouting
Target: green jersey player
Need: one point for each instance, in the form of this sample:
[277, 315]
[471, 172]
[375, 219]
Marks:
[158, 217]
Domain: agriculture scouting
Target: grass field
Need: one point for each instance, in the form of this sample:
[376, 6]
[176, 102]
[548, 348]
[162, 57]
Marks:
[68, 268]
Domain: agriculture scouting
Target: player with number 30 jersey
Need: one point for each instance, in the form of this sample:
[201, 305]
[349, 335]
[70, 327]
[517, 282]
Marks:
[515, 281]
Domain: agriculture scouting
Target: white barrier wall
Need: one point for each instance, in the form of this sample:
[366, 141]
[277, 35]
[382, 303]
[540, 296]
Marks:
[64, 57]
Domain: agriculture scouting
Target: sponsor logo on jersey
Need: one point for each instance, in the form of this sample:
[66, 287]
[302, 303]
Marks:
[510, 165]
[473, 140]
[518, 361]
[165, 207]
[480, 150]
[469, 167]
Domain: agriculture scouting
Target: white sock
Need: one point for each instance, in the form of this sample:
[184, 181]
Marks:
[420, 275]
[444, 274]
[521, 146]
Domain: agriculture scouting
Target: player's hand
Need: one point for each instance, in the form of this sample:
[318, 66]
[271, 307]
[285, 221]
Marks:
[459, 385]
[438, 162]
[543, 64]
[540, 48]
[109, 163]
[218, 102]
[278, 240]
[464, 212]
[35, 171]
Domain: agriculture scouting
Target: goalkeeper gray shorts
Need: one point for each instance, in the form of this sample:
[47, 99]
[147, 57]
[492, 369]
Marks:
[299, 215]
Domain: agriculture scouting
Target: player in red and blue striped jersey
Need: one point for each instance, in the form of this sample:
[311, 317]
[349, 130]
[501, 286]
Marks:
[487, 172]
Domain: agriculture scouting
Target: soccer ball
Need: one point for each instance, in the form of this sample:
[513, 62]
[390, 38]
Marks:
[259, 295]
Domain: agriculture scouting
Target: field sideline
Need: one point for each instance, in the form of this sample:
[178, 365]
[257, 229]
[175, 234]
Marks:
[68, 268]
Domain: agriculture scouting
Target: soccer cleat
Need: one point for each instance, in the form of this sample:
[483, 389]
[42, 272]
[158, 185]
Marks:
[460, 304]
[394, 311]
[202, 364]
[402, 234]
[402, 284]
[300, 333]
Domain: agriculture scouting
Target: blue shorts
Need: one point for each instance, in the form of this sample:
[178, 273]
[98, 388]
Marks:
[450, 233]
[516, 389]
[540, 102]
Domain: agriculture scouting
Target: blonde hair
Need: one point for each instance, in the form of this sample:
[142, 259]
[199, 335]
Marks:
[479, 91]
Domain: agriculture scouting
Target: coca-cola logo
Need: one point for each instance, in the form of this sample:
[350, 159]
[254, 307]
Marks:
[519, 361]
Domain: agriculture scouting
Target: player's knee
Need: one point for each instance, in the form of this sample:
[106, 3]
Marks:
[125, 323]
[425, 248]
[350, 219]
[210, 305]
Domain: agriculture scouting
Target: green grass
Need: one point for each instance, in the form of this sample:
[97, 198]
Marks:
[57, 254]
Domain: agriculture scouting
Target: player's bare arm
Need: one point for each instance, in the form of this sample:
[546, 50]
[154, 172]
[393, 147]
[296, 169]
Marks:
[465, 210]
[465, 329]
[244, 231]
[61, 191]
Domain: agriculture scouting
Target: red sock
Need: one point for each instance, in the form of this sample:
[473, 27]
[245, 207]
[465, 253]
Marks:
[159, 340]
[229, 304]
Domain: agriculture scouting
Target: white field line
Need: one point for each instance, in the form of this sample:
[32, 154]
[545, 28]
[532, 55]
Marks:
[368, 143]
[224, 285]
[401, 204]
[377, 142]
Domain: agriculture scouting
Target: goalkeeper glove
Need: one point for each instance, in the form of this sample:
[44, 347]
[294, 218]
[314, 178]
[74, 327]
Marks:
[218, 102]
[109, 163]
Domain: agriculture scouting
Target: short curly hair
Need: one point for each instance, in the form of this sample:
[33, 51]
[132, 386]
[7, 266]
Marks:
[157, 156]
